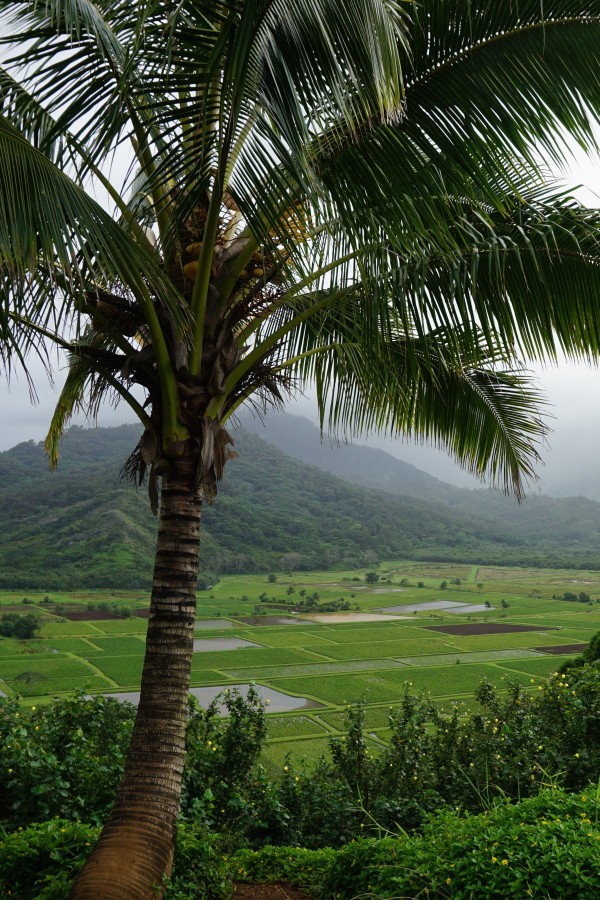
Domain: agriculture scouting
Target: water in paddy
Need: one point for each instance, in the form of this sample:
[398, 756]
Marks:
[473, 608]
[423, 607]
[450, 606]
[207, 644]
[276, 701]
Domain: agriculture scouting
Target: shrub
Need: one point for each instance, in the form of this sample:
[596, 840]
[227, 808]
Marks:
[221, 753]
[307, 869]
[544, 847]
[508, 748]
[18, 626]
[40, 861]
[64, 759]
[199, 867]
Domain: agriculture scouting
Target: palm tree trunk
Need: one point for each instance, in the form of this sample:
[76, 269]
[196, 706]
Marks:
[135, 849]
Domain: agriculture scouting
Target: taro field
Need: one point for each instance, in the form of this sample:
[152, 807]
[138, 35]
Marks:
[440, 628]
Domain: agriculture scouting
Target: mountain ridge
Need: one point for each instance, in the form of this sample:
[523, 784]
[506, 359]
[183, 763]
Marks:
[82, 527]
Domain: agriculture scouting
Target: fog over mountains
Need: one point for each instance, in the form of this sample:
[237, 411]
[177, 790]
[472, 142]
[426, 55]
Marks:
[83, 527]
[570, 463]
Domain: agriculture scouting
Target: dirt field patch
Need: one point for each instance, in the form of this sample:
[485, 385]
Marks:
[562, 649]
[95, 615]
[268, 892]
[341, 618]
[487, 628]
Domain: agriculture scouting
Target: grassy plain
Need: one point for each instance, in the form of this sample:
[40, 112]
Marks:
[329, 661]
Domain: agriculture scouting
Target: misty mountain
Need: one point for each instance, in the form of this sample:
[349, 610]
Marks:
[574, 520]
[83, 527]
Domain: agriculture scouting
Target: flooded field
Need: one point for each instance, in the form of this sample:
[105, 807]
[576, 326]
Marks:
[205, 645]
[472, 608]
[276, 700]
[431, 606]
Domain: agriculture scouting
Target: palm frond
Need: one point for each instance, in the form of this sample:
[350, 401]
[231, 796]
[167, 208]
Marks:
[51, 229]
[487, 417]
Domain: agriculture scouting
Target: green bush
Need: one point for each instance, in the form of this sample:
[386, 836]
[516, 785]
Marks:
[547, 846]
[41, 861]
[18, 626]
[199, 868]
[221, 753]
[507, 748]
[64, 759]
[306, 869]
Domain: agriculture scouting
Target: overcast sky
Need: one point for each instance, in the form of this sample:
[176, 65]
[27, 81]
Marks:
[573, 391]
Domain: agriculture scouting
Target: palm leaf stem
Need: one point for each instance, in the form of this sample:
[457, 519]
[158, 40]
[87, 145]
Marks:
[298, 286]
[262, 349]
[41, 331]
[123, 393]
[144, 155]
[75, 350]
[164, 368]
[315, 351]
[234, 266]
[507, 34]
[200, 290]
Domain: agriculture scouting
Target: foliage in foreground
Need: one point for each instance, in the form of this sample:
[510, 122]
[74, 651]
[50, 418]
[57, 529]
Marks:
[65, 760]
[546, 846]
[42, 860]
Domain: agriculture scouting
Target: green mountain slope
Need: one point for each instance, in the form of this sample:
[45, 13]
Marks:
[83, 527]
[548, 530]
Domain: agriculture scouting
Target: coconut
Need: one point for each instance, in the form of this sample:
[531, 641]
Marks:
[190, 269]
[258, 272]
[194, 249]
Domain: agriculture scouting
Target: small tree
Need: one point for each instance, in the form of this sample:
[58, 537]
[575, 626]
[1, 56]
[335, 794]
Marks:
[443, 585]
[371, 577]
[22, 627]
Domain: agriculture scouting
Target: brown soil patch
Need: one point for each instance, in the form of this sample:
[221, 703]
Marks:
[22, 610]
[268, 892]
[94, 615]
[340, 618]
[485, 628]
[562, 648]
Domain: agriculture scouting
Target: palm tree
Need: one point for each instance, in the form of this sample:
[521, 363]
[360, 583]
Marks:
[344, 194]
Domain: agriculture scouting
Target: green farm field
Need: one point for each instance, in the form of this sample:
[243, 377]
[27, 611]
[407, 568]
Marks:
[441, 628]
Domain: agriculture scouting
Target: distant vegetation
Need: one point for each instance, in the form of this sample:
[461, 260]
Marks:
[82, 527]
[19, 626]
[570, 597]
[423, 748]
[64, 760]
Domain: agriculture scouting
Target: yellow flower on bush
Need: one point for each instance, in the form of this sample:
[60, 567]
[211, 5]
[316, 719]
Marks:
[504, 862]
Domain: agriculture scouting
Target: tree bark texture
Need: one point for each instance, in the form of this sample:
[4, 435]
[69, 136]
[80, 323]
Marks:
[135, 849]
